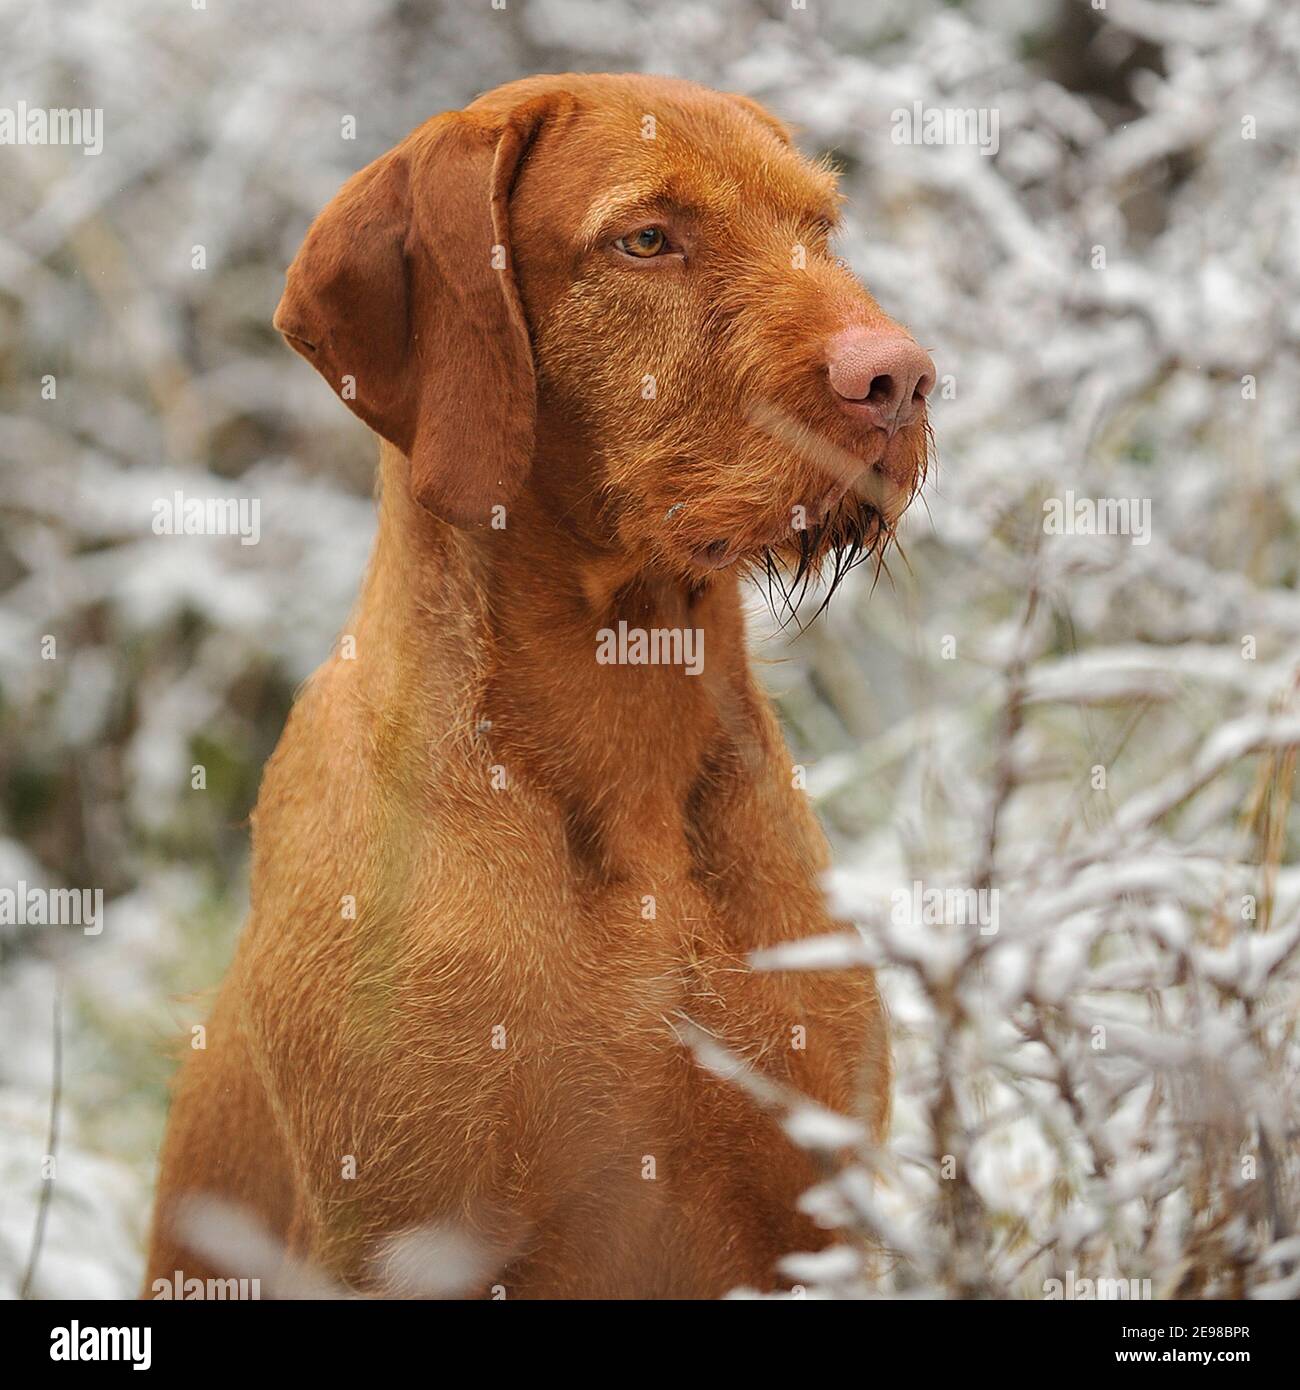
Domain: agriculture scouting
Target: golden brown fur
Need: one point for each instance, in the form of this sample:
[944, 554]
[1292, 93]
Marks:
[553, 861]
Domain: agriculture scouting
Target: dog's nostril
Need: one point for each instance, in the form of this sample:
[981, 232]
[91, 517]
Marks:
[882, 390]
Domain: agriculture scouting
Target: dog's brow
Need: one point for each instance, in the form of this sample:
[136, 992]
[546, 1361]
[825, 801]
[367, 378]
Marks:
[822, 212]
[622, 204]
[824, 196]
[824, 206]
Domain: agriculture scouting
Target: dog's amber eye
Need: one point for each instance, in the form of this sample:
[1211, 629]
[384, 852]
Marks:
[649, 241]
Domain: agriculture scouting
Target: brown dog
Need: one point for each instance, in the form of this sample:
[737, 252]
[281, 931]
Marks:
[506, 847]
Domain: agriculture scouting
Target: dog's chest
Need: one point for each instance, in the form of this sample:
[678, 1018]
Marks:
[655, 1165]
[632, 988]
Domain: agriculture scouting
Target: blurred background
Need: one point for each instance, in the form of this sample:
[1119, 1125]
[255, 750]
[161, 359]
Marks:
[1100, 726]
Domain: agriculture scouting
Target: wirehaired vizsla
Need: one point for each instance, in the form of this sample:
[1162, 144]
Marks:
[526, 826]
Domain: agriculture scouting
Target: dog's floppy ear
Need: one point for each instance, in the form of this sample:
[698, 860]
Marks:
[403, 297]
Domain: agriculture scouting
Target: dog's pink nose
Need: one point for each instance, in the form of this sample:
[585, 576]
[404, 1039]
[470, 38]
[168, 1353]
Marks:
[885, 376]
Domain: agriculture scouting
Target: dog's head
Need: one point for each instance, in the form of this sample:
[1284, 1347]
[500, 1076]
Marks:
[623, 285]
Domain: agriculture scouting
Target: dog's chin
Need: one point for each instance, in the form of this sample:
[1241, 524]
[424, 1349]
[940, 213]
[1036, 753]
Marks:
[848, 535]
[846, 513]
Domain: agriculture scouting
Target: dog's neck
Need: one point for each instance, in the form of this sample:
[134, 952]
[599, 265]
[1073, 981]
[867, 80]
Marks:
[522, 627]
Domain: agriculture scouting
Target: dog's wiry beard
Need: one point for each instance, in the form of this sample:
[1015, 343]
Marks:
[826, 553]
[698, 504]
